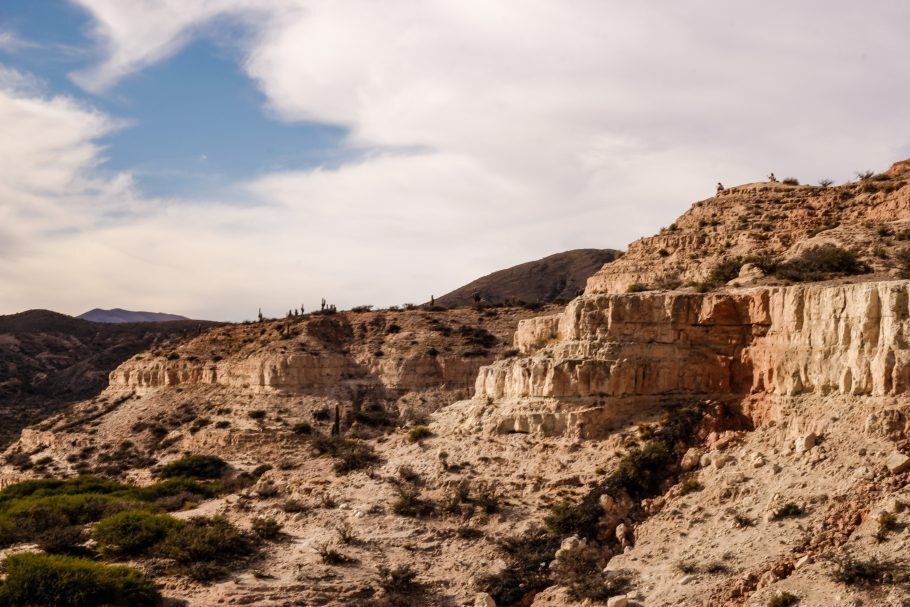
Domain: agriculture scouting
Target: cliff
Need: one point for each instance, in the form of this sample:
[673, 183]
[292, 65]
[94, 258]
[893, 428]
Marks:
[583, 370]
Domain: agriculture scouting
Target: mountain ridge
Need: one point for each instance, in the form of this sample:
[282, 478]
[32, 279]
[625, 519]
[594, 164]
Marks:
[119, 315]
[555, 278]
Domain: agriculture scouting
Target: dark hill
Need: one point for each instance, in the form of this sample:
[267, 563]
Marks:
[557, 278]
[48, 360]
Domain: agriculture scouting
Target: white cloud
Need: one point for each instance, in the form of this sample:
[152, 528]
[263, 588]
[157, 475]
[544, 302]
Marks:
[495, 132]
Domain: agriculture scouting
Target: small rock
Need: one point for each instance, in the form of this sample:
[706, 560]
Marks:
[686, 579]
[691, 459]
[736, 478]
[894, 505]
[720, 461]
[801, 562]
[484, 600]
[617, 601]
[898, 463]
[804, 443]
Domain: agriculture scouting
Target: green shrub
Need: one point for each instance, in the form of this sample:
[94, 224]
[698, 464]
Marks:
[51, 512]
[409, 503]
[132, 533]
[822, 263]
[200, 539]
[400, 579]
[195, 466]
[38, 580]
[788, 510]
[331, 556]
[266, 528]
[303, 428]
[419, 433]
[528, 557]
[636, 287]
[887, 522]
[690, 485]
[783, 599]
[349, 455]
[565, 518]
[871, 572]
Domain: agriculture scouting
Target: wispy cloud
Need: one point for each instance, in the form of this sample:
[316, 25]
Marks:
[11, 42]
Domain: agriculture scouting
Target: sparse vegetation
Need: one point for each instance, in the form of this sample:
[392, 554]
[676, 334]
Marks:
[303, 428]
[203, 547]
[349, 454]
[401, 579]
[639, 473]
[266, 528]
[903, 261]
[788, 510]
[331, 556]
[409, 503]
[790, 181]
[854, 571]
[690, 485]
[132, 533]
[418, 433]
[783, 599]
[887, 522]
[822, 263]
[741, 520]
[195, 466]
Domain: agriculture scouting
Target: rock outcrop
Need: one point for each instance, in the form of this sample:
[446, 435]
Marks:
[608, 354]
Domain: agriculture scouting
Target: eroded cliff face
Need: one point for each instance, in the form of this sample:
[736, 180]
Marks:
[334, 355]
[608, 355]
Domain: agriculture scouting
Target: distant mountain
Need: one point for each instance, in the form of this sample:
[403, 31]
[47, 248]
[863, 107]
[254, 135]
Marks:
[558, 277]
[119, 315]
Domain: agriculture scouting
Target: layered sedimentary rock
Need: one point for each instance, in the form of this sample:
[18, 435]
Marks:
[346, 355]
[610, 354]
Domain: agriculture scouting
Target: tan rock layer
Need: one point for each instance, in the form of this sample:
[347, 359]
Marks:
[610, 351]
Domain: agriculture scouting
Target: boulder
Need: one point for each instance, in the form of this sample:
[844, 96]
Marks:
[691, 459]
[898, 463]
[804, 443]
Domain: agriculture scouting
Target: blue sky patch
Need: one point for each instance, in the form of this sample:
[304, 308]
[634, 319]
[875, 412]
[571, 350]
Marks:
[197, 124]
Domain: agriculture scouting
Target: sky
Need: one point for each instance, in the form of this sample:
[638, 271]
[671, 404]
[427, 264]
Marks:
[213, 157]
